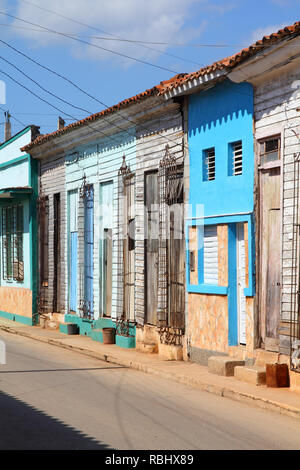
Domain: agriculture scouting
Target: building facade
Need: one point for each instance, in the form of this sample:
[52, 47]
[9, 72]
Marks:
[18, 229]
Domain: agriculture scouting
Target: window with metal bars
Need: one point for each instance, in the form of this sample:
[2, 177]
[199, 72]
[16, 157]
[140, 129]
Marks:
[209, 164]
[236, 158]
[12, 243]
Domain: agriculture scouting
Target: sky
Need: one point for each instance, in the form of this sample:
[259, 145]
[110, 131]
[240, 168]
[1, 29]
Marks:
[114, 49]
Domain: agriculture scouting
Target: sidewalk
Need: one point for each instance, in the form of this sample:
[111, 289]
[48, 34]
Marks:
[280, 400]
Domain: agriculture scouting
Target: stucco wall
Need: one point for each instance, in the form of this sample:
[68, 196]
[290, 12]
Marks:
[16, 300]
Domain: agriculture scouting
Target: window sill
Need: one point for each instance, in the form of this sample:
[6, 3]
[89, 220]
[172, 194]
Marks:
[207, 289]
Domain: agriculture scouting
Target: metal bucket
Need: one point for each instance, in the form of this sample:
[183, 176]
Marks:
[109, 335]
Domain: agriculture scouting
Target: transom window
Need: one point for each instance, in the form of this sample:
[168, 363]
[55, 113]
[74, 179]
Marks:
[12, 243]
[269, 150]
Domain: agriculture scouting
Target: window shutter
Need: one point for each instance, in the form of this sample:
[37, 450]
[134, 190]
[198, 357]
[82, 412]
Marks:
[237, 158]
[210, 255]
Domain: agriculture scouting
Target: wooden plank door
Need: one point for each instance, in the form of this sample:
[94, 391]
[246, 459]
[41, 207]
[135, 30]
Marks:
[151, 247]
[241, 283]
[270, 257]
[73, 240]
[57, 278]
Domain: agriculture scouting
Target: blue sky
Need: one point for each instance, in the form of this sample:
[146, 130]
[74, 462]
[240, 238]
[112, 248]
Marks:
[182, 24]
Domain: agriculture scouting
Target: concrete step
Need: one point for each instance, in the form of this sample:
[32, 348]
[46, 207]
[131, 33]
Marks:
[223, 365]
[52, 324]
[150, 348]
[263, 357]
[255, 375]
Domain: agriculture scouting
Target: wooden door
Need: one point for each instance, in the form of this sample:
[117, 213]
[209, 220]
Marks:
[57, 279]
[270, 257]
[73, 240]
[151, 247]
[241, 284]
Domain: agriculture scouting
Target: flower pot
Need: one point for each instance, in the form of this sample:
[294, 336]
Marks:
[109, 335]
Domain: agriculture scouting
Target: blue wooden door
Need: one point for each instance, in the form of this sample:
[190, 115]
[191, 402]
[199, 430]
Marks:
[73, 272]
[73, 237]
[89, 252]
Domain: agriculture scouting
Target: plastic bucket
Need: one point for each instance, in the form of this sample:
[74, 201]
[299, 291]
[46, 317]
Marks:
[109, 335]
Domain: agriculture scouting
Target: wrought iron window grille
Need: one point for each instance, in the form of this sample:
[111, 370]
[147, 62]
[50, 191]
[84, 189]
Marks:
[86, 309]
[171, 336]
[123, 326]
[12, 243]
[294, 320]
[86, 189]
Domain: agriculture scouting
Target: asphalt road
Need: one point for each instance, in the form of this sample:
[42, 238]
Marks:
[51, 398]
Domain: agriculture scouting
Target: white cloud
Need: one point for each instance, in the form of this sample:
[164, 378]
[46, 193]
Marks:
[265, 31]
[147, 20]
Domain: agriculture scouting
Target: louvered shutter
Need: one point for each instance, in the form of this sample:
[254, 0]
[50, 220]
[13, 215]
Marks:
[210, 255]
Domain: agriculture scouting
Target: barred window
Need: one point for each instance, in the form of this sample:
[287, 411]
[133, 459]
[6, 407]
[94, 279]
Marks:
[236, 158]
[209, 165]
[12, 243]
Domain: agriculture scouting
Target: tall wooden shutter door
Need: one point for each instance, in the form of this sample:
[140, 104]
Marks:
[73, 250]
[210, 255]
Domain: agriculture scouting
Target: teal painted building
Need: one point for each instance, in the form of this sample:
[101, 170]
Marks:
[18, 229]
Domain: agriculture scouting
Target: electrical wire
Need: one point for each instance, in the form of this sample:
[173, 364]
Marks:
[79, 88]
[113, 36]
[88, 43]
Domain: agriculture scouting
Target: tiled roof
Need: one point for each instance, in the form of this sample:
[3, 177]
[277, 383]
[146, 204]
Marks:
[234, 60]
[225, 64]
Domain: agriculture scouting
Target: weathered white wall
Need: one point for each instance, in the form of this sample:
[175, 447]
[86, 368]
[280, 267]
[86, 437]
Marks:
[276, 99]
[153, 134]
[52, 181]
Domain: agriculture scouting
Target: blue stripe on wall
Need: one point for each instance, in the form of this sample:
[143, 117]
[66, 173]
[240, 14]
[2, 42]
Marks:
[232, 287]
[73, 272]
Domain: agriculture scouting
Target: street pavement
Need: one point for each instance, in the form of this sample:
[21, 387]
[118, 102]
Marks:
[52, 398]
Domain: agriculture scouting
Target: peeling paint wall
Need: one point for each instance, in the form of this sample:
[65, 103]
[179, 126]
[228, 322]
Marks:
[16, 300]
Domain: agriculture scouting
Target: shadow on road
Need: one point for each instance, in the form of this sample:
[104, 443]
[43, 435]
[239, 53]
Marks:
[25, 427]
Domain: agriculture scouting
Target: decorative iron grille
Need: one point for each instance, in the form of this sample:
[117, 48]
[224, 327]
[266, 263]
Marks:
[171, 274]
[126, 230]
[12, 243]
[86, 303]
[295, 287]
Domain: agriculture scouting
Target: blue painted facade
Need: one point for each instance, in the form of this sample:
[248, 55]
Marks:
[218, 118]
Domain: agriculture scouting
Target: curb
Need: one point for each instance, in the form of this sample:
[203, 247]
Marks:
[219, 390]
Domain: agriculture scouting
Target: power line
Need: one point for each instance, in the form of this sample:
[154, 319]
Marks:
[94, 130]
[139, 43]
[77, 87]
[11, 115]
[135, 41]
[44, 89]
[89, 44]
